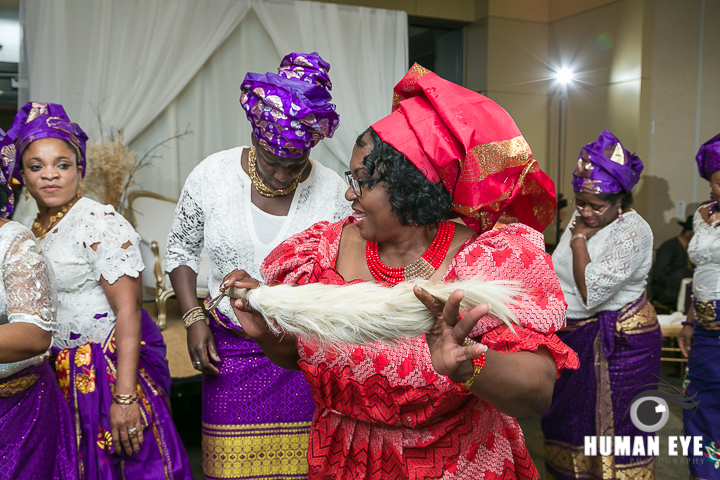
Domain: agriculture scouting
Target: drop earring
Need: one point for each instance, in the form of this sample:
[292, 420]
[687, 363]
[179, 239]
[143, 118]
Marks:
[620, 216]
[27, 195]
[79, 192]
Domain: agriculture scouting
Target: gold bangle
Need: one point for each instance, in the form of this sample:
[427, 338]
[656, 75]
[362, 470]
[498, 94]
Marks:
[197, 317]
[578, 235]
[124, 399]
[192, 311]
[193, 315]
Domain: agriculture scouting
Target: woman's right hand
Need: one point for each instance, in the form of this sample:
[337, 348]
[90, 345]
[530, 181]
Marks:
[202, 349]
[251, 321]
[685, 340]
[578, 226]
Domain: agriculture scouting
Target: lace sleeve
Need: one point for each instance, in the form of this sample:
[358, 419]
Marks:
[30, 297]
[185, 240]
[626, 251]
[111, 244]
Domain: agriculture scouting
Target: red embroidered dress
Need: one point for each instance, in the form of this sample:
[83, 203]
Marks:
[383, 412]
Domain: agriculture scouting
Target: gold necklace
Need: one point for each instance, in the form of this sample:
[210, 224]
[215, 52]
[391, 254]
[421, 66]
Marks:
[263, 189]
[53, 219]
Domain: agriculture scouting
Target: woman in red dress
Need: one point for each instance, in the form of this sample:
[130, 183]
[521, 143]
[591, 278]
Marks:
[442, 406]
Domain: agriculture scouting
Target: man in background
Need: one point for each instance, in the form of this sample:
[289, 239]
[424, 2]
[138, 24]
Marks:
[672, 264]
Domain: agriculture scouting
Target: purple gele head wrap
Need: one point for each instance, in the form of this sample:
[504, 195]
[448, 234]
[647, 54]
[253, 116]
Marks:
[37, 120]
[7, 165]
[708, 157]
[290, 111]
[604, 166]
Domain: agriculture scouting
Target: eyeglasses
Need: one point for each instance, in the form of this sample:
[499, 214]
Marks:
[354, 183]
[582, 208]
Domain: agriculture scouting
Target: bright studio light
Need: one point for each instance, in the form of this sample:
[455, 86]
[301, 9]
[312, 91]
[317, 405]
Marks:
[564, 76]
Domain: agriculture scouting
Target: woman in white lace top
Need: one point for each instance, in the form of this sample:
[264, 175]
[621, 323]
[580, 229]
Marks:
[240, 204]
[699, 338]
[602, 262]
[110, 355]
[35, 420]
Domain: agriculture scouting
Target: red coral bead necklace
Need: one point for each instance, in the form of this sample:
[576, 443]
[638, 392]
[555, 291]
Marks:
[423, 267]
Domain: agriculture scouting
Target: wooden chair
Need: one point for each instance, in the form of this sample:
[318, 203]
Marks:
[670, 326]
[152, 214]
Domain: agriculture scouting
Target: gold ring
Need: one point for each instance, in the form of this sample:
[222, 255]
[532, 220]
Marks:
[132, 432]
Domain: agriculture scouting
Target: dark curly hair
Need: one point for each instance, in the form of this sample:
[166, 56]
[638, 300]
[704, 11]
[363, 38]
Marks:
[414, 199]
[625, 203]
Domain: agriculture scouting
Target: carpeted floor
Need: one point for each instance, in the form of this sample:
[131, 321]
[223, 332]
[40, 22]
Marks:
[187, 403]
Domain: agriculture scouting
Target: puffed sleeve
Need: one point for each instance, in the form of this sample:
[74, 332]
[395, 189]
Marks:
[516, 253]
[624, 254]
[111, 245]
[306, 257]
[186, 237]
[28, 284]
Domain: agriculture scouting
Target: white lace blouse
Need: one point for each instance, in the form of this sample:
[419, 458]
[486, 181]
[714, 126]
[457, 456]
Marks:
[704, 252]
[214, 210]
[26, 293]
[85, 245]
[620, 260]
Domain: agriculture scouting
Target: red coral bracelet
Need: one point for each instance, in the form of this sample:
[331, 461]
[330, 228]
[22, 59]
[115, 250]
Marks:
[478, 364]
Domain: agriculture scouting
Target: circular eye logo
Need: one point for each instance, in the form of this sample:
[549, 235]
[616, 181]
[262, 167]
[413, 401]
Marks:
[649, 410]
[649, 413]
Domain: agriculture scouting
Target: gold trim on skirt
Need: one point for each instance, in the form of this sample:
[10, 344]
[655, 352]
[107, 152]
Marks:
[251, 451]
[571, 460]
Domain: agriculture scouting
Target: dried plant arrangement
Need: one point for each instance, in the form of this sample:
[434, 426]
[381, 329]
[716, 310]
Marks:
[112, 167]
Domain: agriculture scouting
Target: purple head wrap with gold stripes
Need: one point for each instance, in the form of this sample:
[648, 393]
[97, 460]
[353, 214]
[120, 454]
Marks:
[7, 165]
[290, 111]
[37, 120]
[604, 166]
[708, 157]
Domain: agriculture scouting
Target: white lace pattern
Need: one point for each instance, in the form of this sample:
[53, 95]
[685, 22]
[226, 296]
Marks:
[214, 210]
[26, 293]
[704, 252]
[620, 260]
[88, 243]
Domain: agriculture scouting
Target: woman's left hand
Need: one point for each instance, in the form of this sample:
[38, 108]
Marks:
[445, 340]
[127, 430]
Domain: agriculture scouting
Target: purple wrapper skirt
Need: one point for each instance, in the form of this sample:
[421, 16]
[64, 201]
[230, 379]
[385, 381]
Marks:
[703, 380]
[256, 416]
[35, 428]
[86, 375]
[619, 351]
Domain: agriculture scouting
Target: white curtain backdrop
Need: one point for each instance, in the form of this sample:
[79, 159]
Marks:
[156, 67]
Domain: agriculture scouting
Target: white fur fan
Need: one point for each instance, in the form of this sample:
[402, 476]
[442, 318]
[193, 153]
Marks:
[365, 312]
